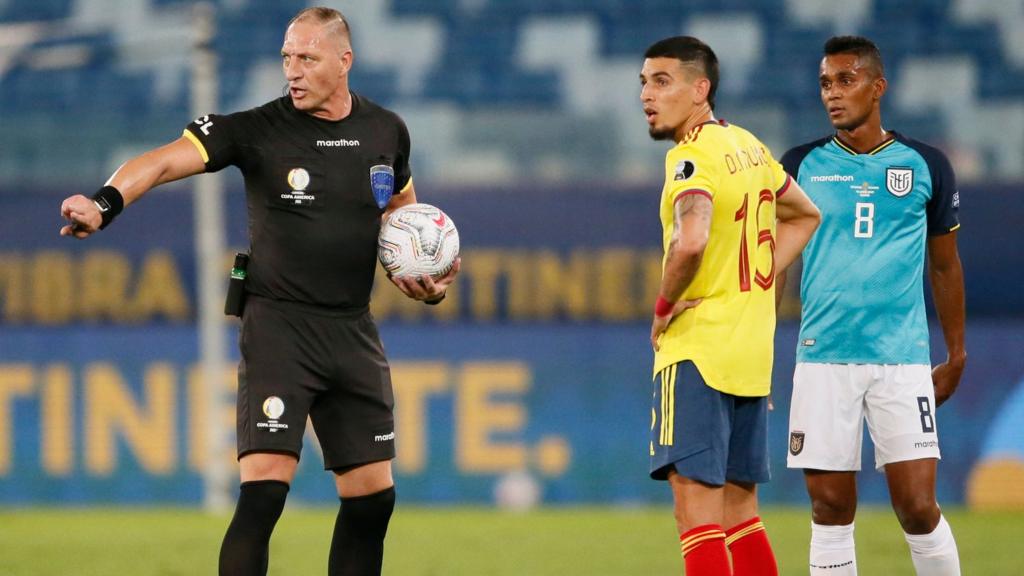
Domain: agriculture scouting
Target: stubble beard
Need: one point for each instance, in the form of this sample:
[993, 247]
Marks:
[661, 133]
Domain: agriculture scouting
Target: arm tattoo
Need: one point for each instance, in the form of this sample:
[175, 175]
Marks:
[691, 205]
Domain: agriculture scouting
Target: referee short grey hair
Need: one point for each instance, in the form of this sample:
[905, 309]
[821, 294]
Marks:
[328, 17]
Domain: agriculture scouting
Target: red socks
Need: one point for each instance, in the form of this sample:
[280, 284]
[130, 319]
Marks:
[704, 551]
[751, 552]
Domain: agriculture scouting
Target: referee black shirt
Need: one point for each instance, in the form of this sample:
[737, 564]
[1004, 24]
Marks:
[313, 215]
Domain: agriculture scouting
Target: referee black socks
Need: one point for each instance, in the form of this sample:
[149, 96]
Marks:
[358, 545]
[245, 551]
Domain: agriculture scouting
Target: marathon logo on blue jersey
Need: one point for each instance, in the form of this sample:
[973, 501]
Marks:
[832, 178]
[382, 180]
[899, 180]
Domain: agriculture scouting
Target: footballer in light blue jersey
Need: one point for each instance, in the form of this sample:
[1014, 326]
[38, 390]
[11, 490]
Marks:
[888, 213]
[862, 292]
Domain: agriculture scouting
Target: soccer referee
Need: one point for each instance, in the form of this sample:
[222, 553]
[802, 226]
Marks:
[322, 165]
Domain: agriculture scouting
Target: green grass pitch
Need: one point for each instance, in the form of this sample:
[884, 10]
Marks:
[588, 541]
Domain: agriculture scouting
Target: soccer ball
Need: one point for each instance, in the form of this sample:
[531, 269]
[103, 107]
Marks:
[517, 491]
[418, 240]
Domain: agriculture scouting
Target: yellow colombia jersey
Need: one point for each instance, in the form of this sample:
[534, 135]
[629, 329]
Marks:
[729, 336]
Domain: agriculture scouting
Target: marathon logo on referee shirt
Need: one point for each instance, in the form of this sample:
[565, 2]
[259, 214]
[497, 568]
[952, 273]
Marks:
[384, 437]
[339, 143]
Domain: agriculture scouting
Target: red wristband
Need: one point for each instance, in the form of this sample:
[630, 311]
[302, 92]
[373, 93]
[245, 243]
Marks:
[663, 307]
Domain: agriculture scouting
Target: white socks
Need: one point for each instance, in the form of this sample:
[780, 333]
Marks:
[833, 554]
[934, 554]
[832, 550]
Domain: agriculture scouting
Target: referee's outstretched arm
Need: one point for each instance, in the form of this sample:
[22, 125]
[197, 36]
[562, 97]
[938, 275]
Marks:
[168, 163]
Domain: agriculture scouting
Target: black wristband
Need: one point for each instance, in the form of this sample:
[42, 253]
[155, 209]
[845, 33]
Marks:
[110, 202]
[435, 302]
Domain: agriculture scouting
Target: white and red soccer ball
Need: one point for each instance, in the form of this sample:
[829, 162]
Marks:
[418, 240]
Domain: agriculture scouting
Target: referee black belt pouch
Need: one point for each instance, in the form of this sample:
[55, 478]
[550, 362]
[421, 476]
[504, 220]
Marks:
[235, 302]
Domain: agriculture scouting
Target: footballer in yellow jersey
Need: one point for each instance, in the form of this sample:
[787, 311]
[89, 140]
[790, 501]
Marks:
[732, 219]
[729, 335]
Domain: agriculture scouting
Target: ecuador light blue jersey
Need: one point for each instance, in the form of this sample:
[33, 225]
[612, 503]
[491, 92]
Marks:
[862, 289]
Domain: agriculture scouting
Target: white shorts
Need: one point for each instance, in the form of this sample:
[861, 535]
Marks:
[831, 401]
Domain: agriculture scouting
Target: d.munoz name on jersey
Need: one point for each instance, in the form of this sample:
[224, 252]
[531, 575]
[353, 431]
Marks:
[832, 178]
[342, 142]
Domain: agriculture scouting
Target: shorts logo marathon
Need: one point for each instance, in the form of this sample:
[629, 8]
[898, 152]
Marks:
[899, 180]
[796, 443]
[384, 437]
[340, 143]
[273, 408]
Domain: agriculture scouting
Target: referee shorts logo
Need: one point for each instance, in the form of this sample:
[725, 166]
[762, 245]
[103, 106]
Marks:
[273, 407]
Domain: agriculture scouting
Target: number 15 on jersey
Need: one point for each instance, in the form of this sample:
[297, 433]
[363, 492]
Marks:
[766, 280]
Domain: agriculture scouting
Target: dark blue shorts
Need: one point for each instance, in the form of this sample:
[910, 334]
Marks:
[704, 434]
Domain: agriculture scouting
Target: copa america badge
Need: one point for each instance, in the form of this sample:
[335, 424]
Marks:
[298, 179]
[273, 407]
[382, 180]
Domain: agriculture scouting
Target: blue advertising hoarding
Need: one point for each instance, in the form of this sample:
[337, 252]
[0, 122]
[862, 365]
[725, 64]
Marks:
[538, 361]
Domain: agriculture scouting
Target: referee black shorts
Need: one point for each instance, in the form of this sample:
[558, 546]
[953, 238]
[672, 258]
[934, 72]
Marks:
[300, 360]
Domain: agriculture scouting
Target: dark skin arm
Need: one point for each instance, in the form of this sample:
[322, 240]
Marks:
[947, 279]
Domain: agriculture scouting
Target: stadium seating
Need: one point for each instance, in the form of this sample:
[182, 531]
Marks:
[949, 61]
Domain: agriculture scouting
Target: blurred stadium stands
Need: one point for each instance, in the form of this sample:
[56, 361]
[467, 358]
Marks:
[555, 79]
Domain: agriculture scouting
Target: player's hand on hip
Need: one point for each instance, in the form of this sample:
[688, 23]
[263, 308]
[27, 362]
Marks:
[424, 287]
[83, 216]
[945, 379]
[660, 323]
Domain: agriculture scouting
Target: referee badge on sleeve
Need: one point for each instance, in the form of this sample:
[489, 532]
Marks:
[382, 180]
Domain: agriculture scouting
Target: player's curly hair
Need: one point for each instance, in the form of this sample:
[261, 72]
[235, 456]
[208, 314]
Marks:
[689, 50]
[864, 49]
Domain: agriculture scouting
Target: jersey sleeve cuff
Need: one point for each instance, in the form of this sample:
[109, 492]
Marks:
[199, 145]
[407, 186]
[785, 186]
[943, 232]
[693, 191]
